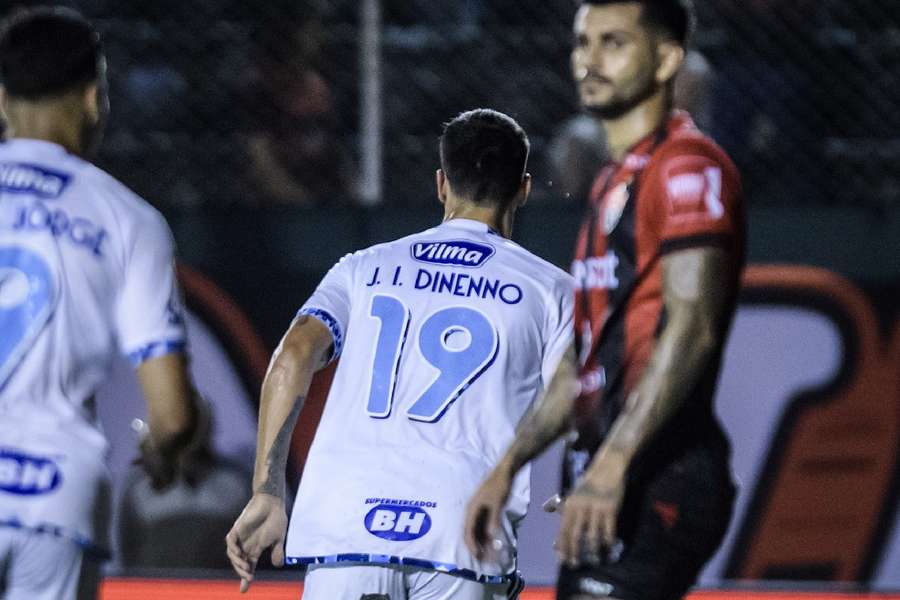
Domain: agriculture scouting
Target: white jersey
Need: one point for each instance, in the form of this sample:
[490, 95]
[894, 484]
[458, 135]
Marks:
[86, 272]
[446, 338]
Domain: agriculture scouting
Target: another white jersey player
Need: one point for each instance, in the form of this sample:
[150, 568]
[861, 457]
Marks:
[86, 273]
[445, 339]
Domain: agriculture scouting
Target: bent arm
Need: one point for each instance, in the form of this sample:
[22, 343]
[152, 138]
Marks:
[304, 349]
[697, 292]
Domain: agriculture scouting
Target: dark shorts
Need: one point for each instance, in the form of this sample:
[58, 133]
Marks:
[673, 519]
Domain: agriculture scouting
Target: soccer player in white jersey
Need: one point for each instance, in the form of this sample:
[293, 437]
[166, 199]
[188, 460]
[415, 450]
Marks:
[445, 337]
[86, 272]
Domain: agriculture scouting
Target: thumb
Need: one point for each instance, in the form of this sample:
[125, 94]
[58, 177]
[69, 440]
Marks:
[278, 553]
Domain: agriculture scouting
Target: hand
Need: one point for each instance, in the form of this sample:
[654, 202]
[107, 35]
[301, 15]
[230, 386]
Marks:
[484, 513]
[589, 516]
[262, 525]
[159, 467]
[186, 459]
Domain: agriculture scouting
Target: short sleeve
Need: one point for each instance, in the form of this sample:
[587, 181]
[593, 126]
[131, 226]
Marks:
[330, 303]
[696, 198]
[560, 327]
[149, 312]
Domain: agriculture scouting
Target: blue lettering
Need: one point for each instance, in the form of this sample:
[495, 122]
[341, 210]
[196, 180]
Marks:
[23, 178]
[475, 288]
[423, 282]
[511, 297]
[490, 288]
[98, 243]
[458, 288]
[467, 286]
[21, 220]
[57, 223]
[26, 475]
[397, 521]
[43, 216]
[446, 284]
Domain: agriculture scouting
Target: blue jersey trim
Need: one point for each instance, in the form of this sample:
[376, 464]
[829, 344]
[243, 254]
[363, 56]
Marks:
[89, 547]
[386, 559]
[331, 323]
[155, 350]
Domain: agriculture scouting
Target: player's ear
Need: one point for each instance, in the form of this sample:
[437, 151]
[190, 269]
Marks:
[442, 186]
[671, 57]
[525, 189]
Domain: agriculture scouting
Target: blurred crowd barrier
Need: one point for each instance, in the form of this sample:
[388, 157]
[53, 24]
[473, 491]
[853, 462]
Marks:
[221, 103]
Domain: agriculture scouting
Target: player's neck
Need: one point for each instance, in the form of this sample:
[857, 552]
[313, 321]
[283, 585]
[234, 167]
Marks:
[502, 223]
[624, 132]
[39, 123]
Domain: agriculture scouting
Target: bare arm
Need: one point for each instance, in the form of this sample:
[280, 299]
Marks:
[172, 414]
[303, 350]
[545, 422]
[696, 291]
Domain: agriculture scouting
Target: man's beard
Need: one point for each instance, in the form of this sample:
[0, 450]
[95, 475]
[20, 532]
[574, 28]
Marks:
[619, 107]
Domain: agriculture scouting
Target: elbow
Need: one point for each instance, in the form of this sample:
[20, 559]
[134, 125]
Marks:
[291, 359]
[293, 355]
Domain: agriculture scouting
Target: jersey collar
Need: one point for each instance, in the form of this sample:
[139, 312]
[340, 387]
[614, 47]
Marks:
[637, 155]
[469, 225]
[34, 145]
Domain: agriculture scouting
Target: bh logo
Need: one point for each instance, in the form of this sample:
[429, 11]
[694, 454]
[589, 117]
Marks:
[397, 523]
[27, 475]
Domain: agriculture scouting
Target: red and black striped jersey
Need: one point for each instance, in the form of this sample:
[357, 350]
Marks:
[674, 190]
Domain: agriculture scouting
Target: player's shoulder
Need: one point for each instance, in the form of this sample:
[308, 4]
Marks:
[130, 209]
[685, 141]
[352, 260]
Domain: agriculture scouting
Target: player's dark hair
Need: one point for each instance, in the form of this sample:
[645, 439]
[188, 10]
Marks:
[676, 18]
[47, 51]
[483, 155]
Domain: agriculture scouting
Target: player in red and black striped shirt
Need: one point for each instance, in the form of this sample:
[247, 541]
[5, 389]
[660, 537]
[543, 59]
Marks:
[657, 267]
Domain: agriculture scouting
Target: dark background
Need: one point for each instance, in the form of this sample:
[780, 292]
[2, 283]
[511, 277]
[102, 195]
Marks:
[240, 121]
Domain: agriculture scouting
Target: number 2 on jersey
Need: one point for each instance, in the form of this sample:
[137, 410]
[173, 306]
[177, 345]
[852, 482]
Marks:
[458, 341]
[27, 299]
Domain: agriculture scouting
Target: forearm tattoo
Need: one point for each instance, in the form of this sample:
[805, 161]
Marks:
[276, 459]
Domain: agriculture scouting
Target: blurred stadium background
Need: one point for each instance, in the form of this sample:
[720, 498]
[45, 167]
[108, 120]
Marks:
[278, 135]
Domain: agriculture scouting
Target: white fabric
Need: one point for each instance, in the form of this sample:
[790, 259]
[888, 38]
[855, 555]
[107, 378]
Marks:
[398, 583]
[497, 322]
[86, 272]
[40, 567]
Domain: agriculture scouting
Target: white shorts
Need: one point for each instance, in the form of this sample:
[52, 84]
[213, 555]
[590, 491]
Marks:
[355, 582]
[40, 566]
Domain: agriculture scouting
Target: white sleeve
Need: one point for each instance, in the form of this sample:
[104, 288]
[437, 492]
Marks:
[330, 303]
[149, 313]
[560, 328]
